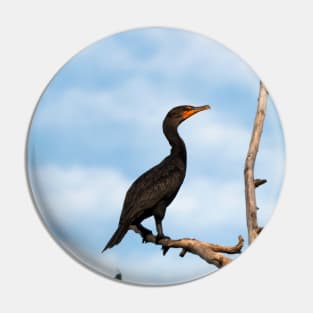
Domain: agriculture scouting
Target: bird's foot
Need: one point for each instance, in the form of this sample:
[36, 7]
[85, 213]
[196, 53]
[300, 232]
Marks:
[145, 235]
[161, 237]
[164, 248]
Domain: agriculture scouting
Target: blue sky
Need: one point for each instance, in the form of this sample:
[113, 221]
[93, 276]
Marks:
[98, 126]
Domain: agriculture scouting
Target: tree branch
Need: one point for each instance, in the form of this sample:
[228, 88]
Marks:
[250, 182]
[209, 252]
[258, 182]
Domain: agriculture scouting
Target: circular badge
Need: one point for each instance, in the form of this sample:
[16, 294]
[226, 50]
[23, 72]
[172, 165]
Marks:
[155, 156]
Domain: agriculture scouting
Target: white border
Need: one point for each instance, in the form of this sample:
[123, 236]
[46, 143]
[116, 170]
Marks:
[39, 37]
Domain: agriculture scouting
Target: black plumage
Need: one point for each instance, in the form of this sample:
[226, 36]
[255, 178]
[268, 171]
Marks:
[153, 191]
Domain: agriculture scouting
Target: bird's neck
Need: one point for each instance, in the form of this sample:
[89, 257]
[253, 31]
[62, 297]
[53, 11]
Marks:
[176, 142]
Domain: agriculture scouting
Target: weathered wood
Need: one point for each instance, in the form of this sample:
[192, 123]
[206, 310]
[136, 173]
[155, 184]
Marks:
[258, 182]
[209, 252]
[250, 183]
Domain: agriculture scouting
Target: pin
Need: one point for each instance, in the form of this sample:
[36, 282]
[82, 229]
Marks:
[144, 154]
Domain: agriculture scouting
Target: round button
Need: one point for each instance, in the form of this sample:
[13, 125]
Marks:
[155, 156]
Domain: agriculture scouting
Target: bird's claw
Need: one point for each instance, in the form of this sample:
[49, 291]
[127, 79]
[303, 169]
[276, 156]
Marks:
[159, 238]
[165, 249]
[145, 235]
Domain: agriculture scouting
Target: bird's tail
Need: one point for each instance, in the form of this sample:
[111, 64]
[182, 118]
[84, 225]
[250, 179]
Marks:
[117, 237]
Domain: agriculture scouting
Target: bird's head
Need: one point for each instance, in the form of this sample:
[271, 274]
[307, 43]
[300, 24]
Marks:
[178, 114]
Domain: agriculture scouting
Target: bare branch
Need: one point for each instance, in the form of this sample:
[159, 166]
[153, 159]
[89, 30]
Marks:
[209, 252]
[250, 182]
[258, 182]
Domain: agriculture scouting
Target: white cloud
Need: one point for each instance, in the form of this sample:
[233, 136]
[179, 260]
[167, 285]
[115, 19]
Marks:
[139, 102]
[190, 52]
[214, 133]
[203, 204]
[141, 99]
[82, 197]
[75, 193]
[177, 53]
[86, 203]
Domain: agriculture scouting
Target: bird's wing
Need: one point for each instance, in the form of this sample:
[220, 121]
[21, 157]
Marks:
[159, 183]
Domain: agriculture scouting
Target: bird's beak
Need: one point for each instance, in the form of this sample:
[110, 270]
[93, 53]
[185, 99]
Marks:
[202, 108]
[195, 110]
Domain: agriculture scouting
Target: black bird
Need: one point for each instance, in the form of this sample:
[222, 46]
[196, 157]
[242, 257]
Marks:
[154, 190]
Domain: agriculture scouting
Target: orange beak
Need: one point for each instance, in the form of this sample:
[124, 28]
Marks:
[189, 113]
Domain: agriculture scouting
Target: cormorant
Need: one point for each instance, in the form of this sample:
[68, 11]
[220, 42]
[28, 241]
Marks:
[154, 190]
